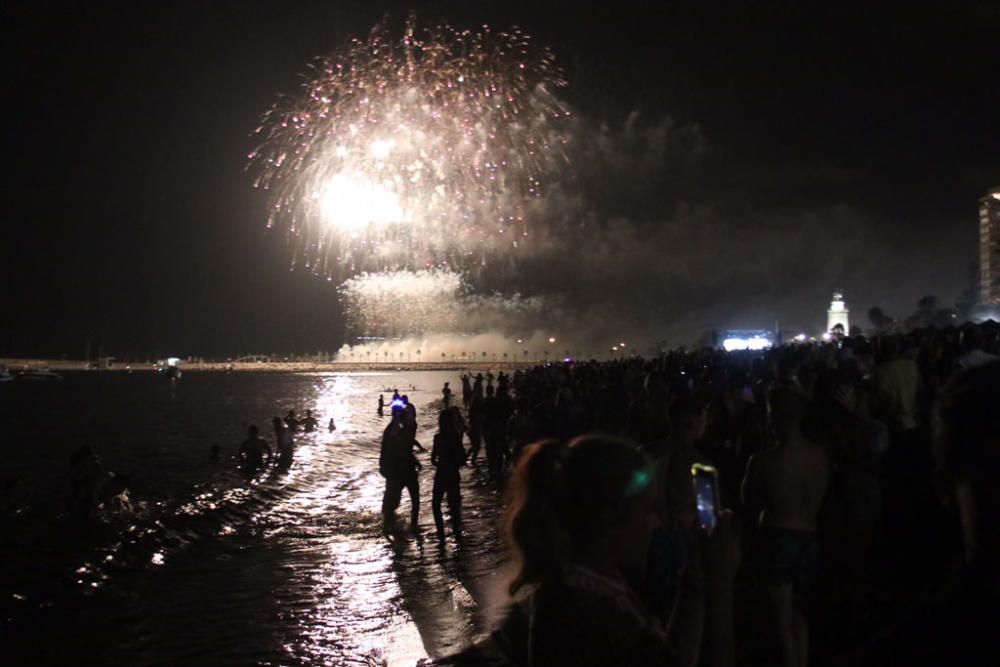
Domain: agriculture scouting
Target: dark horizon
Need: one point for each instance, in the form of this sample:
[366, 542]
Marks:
[769, 153]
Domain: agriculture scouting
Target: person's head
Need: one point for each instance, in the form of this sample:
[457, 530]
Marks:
[972, 339]
[309, 413]
[253, 431]
[447, 384]
[277, 424]
[446, 421]
[967, 459]
[592, 499]
[687, 418]
[405, 399]
[786, 407]
[291, 414]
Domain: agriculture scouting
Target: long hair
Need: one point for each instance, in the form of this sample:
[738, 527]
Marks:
[558, 496]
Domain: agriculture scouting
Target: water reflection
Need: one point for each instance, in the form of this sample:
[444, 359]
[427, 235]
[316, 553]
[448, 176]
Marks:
[289, 567]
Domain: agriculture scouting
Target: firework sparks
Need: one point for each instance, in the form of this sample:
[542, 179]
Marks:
[408, 303]
[413, 153]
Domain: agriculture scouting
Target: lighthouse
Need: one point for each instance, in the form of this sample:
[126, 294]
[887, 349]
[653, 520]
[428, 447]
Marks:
[837, 314]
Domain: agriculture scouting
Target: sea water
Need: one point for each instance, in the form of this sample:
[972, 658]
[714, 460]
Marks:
[211, 567]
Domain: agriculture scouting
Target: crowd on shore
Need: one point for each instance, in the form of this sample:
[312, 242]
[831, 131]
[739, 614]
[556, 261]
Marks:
[859, 478]
[857, 501]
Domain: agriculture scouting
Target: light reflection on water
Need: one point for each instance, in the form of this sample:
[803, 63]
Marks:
[291, 567]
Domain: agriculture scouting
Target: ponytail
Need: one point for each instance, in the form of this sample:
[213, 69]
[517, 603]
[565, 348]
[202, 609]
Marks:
[533, 519]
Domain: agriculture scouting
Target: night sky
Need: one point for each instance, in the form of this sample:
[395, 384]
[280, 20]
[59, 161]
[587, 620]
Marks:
[761, 155]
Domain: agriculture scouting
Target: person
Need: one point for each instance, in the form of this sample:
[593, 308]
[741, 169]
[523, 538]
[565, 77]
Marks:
[398, 465]
[447, 456]
[332, 426]
[291, 421]
[309, 423]
[254, 450]
[87, 476]
[446, 395]
[957, 627]
[496, 412]
[410, 421]
[580, 521]
[381, 405]
[466, 390]
[677, 507]
[285, 444]
[787, 485]
[476, 423]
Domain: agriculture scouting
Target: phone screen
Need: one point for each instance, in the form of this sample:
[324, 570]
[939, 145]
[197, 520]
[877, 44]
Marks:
[706, 494]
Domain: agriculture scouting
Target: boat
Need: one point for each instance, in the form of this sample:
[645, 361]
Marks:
[38, 375]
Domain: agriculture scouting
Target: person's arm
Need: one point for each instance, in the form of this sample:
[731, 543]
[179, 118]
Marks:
[751, 491]
[722, 559]
[687, 622]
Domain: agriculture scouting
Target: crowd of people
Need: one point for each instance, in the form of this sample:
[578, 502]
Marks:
[859, 478]
[856, 505]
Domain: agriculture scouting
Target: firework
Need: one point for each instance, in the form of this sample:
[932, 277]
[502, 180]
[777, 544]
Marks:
[410, 303]
[413, 153]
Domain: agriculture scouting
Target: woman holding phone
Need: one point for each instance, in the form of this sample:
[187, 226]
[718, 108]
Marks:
[580, 519]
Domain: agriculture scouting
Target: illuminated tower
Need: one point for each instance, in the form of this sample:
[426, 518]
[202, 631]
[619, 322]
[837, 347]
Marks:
[837, 314]
[989, 248]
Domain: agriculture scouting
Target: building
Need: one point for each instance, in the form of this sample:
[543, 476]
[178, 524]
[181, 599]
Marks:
[989, 248]
[837, 314]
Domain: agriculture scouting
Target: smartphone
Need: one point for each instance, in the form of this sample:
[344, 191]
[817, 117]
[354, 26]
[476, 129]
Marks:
[706, 496]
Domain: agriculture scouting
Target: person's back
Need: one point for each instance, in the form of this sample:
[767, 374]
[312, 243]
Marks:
[897, 383]
[283, 441]
[787, 485]
[254, 451]
[794, 477]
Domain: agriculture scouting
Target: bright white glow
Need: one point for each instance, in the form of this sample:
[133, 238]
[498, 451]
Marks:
[754, 343]
[351, 203]
[552, 340]
[382, 147]
[996, 195]
[801, 337]
[173, 361]
[827, 336]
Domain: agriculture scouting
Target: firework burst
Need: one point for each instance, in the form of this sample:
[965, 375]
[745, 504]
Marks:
[413, 153]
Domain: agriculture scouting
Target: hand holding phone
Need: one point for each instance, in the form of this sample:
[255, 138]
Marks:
[706, 496]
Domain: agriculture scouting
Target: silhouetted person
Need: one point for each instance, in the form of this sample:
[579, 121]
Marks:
[285, 442]
[291, 421]
[476, 418]
[398, 465]
[410, 421]
[958, 627]
[309, 423]
[447, 455]
[381, 405]
[332, 426]
[255, 451]
[496, 413]
[787, 484]
[466, 391]
[446, 395]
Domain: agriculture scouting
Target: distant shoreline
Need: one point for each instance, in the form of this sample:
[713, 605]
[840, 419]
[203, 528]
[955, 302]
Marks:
[70, 365]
